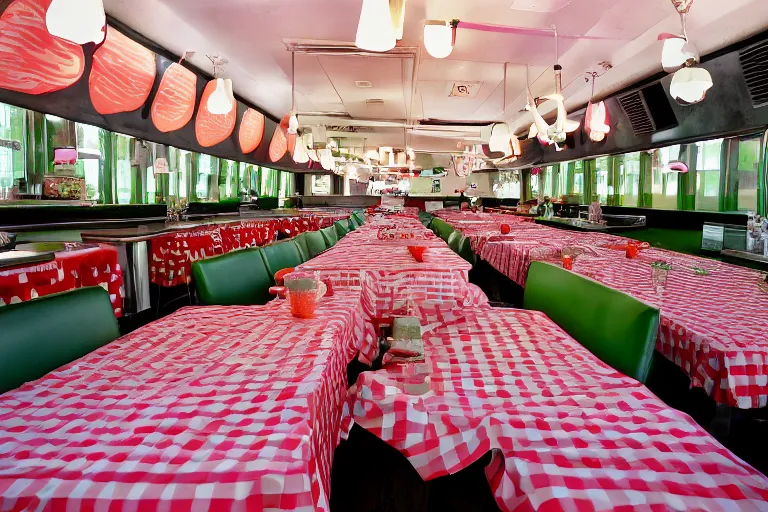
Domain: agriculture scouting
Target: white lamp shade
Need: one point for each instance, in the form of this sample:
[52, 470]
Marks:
[678, 52]
[300, 155]
[223, 99]
[293, 125]
[78, 21]
[501, 138]
[375, 32]
[438, 38]
[690, 85]
[326, 159]
[372, 154]
[312, 154]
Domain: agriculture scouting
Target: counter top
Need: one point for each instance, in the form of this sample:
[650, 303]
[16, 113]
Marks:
[577, 225]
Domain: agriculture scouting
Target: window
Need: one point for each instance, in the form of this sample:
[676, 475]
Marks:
[750, 155]
[321, 184]
[180, 165]
[12, 164]
[229, 179]
[206, 178]
[123, 174]
[508, 185]
[708, 174]
[286, 184]
[536, 184]
[602, 170]
[630, 173]
[664, 184]
[89, 161]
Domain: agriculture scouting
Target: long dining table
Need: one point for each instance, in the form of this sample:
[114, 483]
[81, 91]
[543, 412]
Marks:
[710, 310]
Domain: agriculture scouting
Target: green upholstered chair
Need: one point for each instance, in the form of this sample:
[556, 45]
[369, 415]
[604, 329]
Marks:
[441, 228]
[301, 241]
[316, 243]
[40, 335]
[454, 240]
[465, 250]
[342, 228]
[617, 328]
[237, 278]
[330, 236]
[281, 255]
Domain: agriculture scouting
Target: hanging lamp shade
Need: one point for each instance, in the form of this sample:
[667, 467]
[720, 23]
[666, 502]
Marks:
[223, 98]
[293, 125]
[78, 21]
[300, 155]
[596, 122]
[438, 38]
[326, 159]
[500, 140]
[677, 52]
[690, 85]
[375, 32]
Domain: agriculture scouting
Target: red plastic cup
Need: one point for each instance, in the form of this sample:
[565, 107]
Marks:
[506, 229]
[303, 303]
[633, 250]
[567, 262]
[417, 251]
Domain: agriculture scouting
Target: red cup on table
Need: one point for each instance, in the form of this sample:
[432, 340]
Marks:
[506, 229]
[567, 262]
[633, 250]
[417, 251]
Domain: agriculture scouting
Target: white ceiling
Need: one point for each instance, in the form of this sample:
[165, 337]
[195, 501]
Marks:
[252, 34]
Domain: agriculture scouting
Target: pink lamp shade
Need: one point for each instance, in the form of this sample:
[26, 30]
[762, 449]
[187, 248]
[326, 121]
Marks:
[64, 156]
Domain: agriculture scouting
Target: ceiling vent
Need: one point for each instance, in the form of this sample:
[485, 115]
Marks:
[463, 89]
[637, 112]
[754, 64]
[363, 84]
[374, 101]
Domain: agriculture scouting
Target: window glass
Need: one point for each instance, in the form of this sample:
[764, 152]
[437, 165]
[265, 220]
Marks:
[12, 147]
[750, 155]
[536, 184]
[630, 172]
[664, 184]
[321, 184]
[602, 168]
[123, 174]
[207, 179]
[708, 174]
[508, 185]
[89, 157]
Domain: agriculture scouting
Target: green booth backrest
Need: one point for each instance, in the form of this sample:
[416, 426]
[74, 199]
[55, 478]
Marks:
[465, 250]
[441, 228]
[351, 224]
[40, 335]
[342, 228]
[360, 216]
[301, 241]
[281, 255]
[330, 236]
[454, 240]
[355, 221]
[316, 243]
[617, 328]
[239, 278]
[426, 218]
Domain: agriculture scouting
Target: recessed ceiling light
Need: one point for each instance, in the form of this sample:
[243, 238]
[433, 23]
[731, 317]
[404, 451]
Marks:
[363, 83]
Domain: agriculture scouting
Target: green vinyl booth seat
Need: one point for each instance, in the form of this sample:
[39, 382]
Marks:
[315, 243]
[426, 218]
[330, 236]
[454, 240]
[342, 228]
[301, 241]
[352, 225]
[281, 255]
[40, 335]
[465, 250]
[441, 228]
[240, 278]
[355, 221]
[360, 217]
[617, 328]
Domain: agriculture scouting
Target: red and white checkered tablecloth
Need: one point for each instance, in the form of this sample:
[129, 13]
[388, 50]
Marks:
[211, 408]
[567, 431]
[71, 269]
[710, 324]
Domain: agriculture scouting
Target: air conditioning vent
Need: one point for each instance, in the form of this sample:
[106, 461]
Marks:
[374, 101]
[754, 64]
[637, 112]
[363, 84]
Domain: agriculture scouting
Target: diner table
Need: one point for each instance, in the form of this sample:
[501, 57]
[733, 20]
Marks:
[710, 324]
[211, 408]
[566, 431]
[70, 266]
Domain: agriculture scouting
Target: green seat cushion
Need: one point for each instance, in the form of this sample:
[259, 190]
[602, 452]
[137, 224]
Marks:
[465, 250]
[351, 224]
[281, 255]
[330, 235]
[454, 240]
[40, 335]
[237, 278]
[617, 328]
[301, 241]
[441, 228]
[354, 221]
[342, 228]
[316, 243]
[360, 216]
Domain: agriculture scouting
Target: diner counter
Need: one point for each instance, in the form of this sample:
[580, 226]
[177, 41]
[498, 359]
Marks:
[582, 225]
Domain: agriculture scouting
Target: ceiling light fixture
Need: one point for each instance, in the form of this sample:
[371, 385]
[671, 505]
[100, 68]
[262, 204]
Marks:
[690, 85]
[596, 123]
[78, 21]
[293, 122]
[222, 100]
[440, 37]
[375, 32]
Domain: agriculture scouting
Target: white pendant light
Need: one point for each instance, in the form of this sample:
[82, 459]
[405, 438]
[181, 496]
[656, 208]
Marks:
[78, 21]
[375, 32]
[293, 125]
[223, 99]
[326, 159]
[438, 38]
[690, 85]
[300, 155]
[501, 139]
[676, 53]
